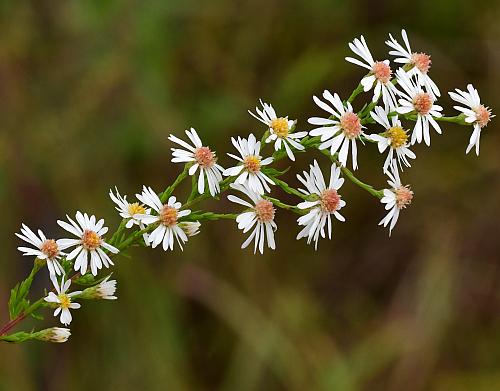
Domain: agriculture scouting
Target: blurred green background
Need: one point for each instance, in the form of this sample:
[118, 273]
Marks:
[89, 92]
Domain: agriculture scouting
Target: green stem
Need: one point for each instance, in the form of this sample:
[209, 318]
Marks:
[355, 93]
[169, 190]
[348, 174]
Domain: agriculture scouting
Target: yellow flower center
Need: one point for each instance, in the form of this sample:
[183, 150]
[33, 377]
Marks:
[252, 163]
[398, 136]
[65, 300]
[91, 240]
[168, 216]
[49, 248]
[280, 127]
[136, 209]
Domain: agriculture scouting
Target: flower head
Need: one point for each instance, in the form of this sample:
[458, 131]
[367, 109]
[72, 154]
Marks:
[394, 138]
[379, 74]
[259, 216]
[341, 131]
[62, 300]
[249, 169]
[419, 63]
[416, 100]
[201, 157]
[327, 202]
[280, 129]
[47, 249]
[167, 216]
[396, 198]
[89, 244]
[475, 113]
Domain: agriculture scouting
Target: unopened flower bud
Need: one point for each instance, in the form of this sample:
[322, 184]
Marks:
[54, 334]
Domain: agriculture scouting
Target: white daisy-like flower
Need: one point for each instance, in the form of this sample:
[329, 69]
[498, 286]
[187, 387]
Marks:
[62, 300]
[89, 245]
[48, 249]
[416, 100]
[260, 217]
[280, 129]
[475, 113]
[396, 198]
[54, 334]
[168, 216]
[201, 157]
[420, 63]
[395, 138]
[249, 170]
[128, 210]
[341, 131]
[328, 202]
[379, 74]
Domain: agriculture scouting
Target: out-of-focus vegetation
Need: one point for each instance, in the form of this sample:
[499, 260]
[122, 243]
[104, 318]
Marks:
[89, 92]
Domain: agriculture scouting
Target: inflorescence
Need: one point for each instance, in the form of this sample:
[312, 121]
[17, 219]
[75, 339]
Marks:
[399, 97]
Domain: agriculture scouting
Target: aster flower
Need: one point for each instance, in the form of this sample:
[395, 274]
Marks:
[341, 131]
[260, 217]
[280, 129]
[396, 198]
[201, 157]
[328, 202]
[475, 113]
[62, 300]
[48, 249]
[379, 74]
[249, 171]
[420, 63]
[168, 218]
[89, 245]
[416, 100]
[128, 210]
[395, 138]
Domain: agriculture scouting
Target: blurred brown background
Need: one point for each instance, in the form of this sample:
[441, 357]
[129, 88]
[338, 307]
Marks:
[89, 92]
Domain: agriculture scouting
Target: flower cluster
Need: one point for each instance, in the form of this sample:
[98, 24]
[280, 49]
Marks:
[401, 112]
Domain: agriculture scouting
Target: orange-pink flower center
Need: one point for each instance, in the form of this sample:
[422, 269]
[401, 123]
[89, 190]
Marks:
[264, 210]
[50, 248]
[404, 196]
[350, 124]
[382, 71]
[422, 61]
[329, 200]
[168, 216]
[91, 240]
[252, 163]
[204, 157]
[483, 115]
[422, 102]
